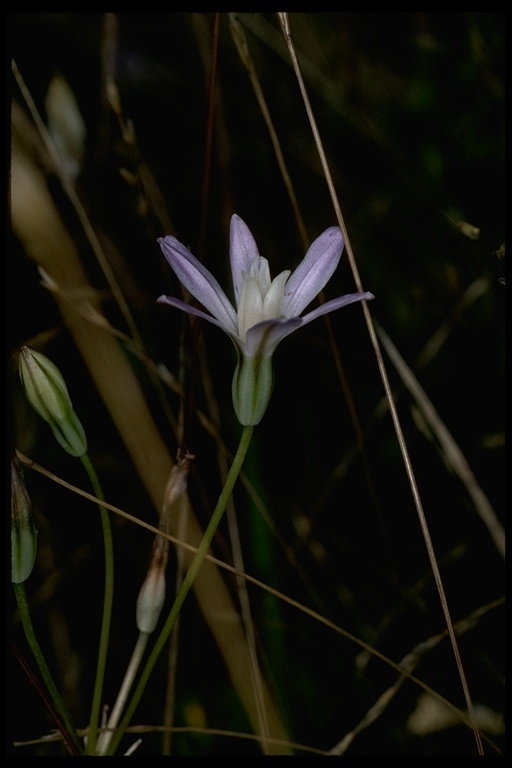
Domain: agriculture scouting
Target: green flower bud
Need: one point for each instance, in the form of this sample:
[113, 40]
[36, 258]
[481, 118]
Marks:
[23, 531]
[47, 393]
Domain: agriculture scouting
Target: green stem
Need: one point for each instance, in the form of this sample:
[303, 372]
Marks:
[187, 583]
[60, 704]
[107, 609]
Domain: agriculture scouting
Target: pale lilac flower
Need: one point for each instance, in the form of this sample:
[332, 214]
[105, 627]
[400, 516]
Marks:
[266, 310]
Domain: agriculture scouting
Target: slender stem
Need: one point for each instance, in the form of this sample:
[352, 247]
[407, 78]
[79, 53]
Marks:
[134, 664]
[60, 704]
[107, 609]
[188, 581]
[285, 25]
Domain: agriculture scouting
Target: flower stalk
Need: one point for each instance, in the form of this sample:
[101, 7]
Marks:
[23, 555]
[48, 394]
[108, 600]
[187, 583]
[151, 597]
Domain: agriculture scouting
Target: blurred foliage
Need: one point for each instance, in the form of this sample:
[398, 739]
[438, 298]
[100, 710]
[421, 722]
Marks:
[410, 107]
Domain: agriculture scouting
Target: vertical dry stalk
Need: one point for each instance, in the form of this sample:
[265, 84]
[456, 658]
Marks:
[38, 225]
[285, 25]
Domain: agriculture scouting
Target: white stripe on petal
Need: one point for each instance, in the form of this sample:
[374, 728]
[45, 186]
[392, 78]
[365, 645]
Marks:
[199, 281]
[313, 272]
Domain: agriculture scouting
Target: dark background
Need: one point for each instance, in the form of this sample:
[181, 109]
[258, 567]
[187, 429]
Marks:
[410, 107]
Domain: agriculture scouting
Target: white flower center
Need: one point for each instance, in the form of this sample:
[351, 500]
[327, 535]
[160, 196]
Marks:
[261, 298]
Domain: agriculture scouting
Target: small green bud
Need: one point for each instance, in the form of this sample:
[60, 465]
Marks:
[23, 531]
[47, 393]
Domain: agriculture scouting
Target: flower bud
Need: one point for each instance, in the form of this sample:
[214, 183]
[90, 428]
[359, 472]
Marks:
[252, 388]
[151, 600]
[47, 393]
[23, 531]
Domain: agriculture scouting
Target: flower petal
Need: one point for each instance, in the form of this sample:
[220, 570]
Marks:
[341, 301]
[242, 252]
[250, 307]
[273, 301]
[199, 281]
[263, 338]
[178, 304]
[313, 272]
